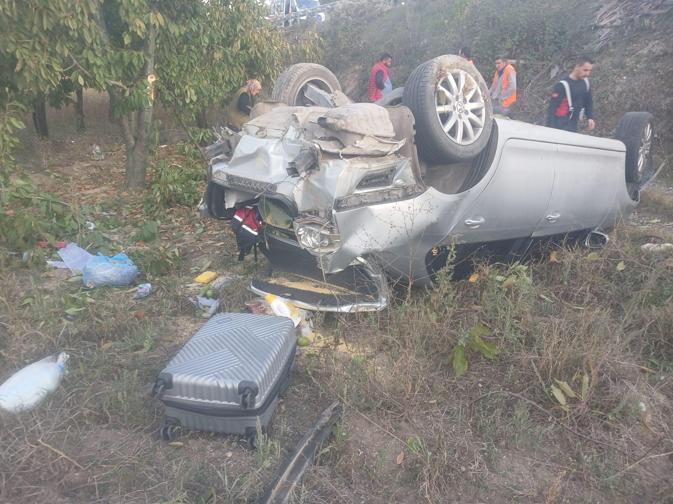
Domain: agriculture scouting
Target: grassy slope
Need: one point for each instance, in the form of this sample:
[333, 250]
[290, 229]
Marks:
[411, 431]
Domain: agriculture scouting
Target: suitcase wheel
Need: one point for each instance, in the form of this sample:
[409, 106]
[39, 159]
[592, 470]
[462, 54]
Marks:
[169, 432]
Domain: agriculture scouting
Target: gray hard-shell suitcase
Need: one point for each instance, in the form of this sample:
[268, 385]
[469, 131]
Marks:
[228, 376]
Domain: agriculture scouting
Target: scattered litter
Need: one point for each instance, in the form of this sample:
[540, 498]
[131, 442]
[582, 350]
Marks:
[283, 308]
[97, 153]
[26, 388]
[223, 281]
[209, 306]
[90, 225]
[143, 290]
[206, 277]
[101, 270]
[258, 307]
[656, 247]
[73, 258]
[45, 244]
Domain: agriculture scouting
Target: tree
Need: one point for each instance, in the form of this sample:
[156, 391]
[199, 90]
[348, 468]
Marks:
[192, 52]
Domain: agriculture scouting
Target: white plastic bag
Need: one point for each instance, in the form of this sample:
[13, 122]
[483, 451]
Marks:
[29, 386]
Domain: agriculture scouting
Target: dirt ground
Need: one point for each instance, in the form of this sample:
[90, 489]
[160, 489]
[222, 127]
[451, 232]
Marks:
[410, 432]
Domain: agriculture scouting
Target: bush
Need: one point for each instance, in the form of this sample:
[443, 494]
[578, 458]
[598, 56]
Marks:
[28, 216]
[174, 184]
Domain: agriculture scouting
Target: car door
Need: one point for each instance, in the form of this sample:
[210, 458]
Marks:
[585, 187]
[514, 200]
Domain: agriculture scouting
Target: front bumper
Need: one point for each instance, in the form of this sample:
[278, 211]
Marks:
[295, 276]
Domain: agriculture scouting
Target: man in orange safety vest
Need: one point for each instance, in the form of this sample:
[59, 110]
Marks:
[503, 88]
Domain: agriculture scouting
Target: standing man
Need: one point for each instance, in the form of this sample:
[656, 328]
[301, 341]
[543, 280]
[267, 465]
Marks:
[570, 96]
[503, 88]
[379, 78]
[465, 52]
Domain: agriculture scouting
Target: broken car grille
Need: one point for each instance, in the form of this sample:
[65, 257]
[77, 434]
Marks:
[236, 182]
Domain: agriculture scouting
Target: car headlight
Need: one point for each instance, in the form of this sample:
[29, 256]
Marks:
[316, 235]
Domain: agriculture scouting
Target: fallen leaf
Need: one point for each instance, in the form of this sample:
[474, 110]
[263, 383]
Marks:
[553, 257]
[140, 314]
[400, 458]
[558, 395]
[177, 444]
[565, 388]
[621, 266]
[473, 278]
[106, 345]
[593, 256]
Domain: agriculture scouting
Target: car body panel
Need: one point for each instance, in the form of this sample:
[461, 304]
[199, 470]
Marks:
[540, 182]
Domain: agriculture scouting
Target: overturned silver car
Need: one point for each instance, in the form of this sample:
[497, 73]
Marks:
[354, 195]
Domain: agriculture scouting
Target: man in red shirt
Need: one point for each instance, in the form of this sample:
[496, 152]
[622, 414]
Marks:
[379, 78]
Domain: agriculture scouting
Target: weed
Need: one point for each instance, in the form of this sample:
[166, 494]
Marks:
[28, 215]
[175, 184]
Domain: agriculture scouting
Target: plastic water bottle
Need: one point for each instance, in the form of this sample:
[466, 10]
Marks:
[29, 386]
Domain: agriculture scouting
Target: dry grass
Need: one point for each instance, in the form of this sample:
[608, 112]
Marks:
[411, 431]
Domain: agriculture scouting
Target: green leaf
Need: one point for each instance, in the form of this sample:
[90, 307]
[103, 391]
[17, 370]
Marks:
[566, 388]
[593, 256]
[458, 361]
[26, 301]
[621, 266]
[585, 386]
[80, 79]
[558, 395]
[478, 344]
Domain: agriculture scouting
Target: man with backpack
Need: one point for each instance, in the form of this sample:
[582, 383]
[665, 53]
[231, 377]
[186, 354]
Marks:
[570, 96]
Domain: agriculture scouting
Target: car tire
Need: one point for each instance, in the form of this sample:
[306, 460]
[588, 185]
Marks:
[636, 131]
[452, 109]
[290, 84]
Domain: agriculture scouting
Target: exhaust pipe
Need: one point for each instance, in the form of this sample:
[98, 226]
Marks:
[596, 239]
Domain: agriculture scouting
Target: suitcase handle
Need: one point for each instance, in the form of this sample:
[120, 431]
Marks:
[248, 391]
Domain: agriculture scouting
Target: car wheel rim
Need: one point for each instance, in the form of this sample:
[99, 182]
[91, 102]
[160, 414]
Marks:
[303, 100]
[460, 106]
[644, 150]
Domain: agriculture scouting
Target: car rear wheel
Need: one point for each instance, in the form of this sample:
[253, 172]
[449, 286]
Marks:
[636, 131]
[292, 84]
[452, 109]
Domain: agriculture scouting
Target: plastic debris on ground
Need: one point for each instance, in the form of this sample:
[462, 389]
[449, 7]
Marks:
[142, 291]
[116, 271]
[29, 386]
[656, 247]
[73, 257]
[208, 305]
[274, 305]
[206, 277]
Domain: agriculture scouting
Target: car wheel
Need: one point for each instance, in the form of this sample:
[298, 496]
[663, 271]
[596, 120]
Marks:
[636, 131]
[291, 85]
[452, 109]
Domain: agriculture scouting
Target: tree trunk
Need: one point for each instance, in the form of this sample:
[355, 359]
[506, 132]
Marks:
[40, 115]
[202, 119]
[136, 125]
[136, 166]
[79, 109]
